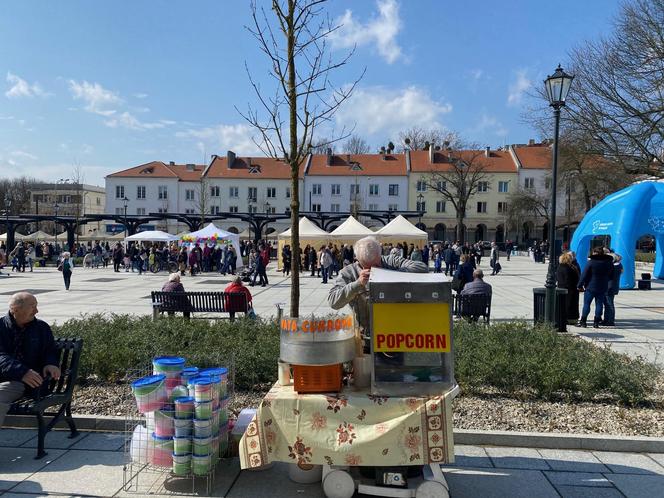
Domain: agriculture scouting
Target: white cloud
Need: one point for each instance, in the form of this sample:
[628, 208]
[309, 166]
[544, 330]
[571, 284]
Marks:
[139, 95]
[380, 110]
[128, 120]
[21, 88]
[221, 137]
[519, 87]
[98, 100]
[490, 124]
[21, 154]
[380, 30]
[476, 74]
[6, 118]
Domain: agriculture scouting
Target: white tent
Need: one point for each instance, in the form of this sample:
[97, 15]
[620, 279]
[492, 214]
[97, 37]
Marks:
[310, 234]
[153, 236]
[350, 231]
[212, 232]
[39, 235]
[402, 230]
[17, 236]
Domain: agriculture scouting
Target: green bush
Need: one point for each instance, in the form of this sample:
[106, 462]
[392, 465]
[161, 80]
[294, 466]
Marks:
[513, 359]
[520, 360]
[116, 345]
[645, 257]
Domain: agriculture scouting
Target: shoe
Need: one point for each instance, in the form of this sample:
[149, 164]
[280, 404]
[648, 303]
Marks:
[596, 322]
[608, 324]
[582, 323]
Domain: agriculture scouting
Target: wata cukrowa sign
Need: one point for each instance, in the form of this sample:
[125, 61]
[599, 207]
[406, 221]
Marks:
[411, 327]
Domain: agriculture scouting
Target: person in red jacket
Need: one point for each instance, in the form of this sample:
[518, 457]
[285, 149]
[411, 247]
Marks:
[236, 286]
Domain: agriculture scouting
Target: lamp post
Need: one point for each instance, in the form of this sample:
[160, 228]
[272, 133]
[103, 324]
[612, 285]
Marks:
[267, 211]
[124, 202]
[557, 87]
[420, 197]
[8, 206]
[55, 225]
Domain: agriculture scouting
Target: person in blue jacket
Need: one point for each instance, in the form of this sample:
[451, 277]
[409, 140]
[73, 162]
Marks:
[614, 287]
[594, 283]
[27, 351]
[464, 271]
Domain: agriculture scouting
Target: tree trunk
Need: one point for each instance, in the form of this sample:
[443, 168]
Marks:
[460, 235]
[295, 167]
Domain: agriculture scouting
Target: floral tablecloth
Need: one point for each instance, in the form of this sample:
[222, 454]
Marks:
[350, 428]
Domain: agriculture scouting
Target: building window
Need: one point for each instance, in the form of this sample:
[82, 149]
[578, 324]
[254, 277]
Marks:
[98, 201]
[335, 208]
[315, 208]
[232, 209]
[252, 194]
[233, 192]
[140, 192]
[162, 192]
[288, 193]
[547, 183]
[482, 186]
[140, 211]
[421, 186]
[162, 210]
[393, 189]
[373, 207]
[442, 186]
[354, 189]
[502, 207]
[119, 210]
[316, 189]
[253, 209]
[189, 211]
[336, 189]
[421, 206]
[440, 206]
[481, 207]
[215, 191]
[119, 192]
[214, 209]
[373, 189]
[271, 192]
[189, 194]
[529, 183]
[503, 187]
[271, 210]
[393, 207]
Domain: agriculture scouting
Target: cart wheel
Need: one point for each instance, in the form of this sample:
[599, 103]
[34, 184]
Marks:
[338, 484]
[431, 489]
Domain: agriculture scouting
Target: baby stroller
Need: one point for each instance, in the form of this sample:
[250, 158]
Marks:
[247, 273]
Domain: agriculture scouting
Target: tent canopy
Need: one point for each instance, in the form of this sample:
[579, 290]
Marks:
[308, 230]
[402, 230]
[17, 236]
[154, 236]
[350, 231]
[213, 232]
[38, 235]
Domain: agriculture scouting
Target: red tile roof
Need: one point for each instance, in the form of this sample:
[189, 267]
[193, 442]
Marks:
[262, 167]
[534, 156]
[158, 169]
[498, 161]
[370, 164]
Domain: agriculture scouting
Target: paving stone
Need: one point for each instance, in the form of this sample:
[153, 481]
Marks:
[16, 437]
[639, 486]
[18, 464]
[629, 463]
[585, 492]
[516, 458]
[101, 441]
[253, 484]
[96, 473]
[577, 479]
[573, 461]
[470, 456]
[498, 483]
[658, 457]
[57, 439]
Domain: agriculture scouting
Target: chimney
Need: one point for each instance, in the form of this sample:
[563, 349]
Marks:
[531, 142]
[171, 163]
[487, 152]
[431, 153]
[190, 167]
[348, 158]
[328, 152]
[230, 157]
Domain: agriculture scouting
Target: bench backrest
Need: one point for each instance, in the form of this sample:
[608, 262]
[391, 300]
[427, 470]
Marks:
[69, 351]
[201, 302]
[472, 305]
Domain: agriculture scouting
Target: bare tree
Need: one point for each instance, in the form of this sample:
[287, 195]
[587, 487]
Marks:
[355, 145]
[458, 178]
[321, 145]
[202, 196]
[418, 138]
[294, 39]
[617, 95]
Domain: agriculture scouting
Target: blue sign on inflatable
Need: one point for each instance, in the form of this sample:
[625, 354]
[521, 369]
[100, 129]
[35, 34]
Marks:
[625, 216]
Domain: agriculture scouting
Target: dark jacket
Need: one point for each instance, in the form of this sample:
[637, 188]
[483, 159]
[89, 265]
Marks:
[614, 283]
[567, 277]
[465, 272]
[173, 287]
[34, 346]
[597, 273]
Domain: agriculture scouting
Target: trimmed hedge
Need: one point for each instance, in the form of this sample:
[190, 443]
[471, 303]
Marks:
[512, 358]
[645, 257]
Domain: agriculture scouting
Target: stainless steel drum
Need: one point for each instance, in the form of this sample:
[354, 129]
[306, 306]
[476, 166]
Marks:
[324, 341]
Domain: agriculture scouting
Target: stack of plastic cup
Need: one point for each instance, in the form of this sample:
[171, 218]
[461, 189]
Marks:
[150, 393]
[203, 387]
[171, 367]
[220, 375]
[202, 427]
[223, 411]
[183, 427]
[203, 409]
[164, 426]
[184, 407]
[201, 464]
[189, 373]
[181, 464]
[162, 454]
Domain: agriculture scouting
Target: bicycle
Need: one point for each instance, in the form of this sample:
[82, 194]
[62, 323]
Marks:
[160, 265]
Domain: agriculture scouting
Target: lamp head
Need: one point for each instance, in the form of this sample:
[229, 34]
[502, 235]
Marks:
[557, 87]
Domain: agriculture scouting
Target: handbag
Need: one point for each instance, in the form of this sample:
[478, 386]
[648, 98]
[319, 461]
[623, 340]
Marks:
[457, 284]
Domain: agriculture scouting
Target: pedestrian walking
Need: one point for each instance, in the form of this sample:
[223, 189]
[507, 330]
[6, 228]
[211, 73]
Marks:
[66, 265]
[567, 277]
[594, 284]
[612, 292]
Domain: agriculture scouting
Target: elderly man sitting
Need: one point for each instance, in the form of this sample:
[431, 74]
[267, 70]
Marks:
[477, 286]
[475, 298]
[27, 351]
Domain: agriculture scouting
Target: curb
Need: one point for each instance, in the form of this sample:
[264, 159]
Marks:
[555, 441]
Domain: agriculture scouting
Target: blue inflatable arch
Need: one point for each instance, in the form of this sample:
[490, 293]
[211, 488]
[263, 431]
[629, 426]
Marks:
[625, 216]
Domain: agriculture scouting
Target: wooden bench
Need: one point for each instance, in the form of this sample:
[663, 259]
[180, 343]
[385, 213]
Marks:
[473, 306]
[58, 393]
[199, 302]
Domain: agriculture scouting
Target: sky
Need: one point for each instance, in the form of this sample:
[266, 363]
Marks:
[105, 86]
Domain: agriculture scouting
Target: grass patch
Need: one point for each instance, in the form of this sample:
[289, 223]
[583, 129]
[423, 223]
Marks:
[512, 359]
[645, 257]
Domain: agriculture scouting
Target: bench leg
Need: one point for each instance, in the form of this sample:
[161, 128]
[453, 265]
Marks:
[231, 314]
[70, 422]
[155, 313]
[41, 435]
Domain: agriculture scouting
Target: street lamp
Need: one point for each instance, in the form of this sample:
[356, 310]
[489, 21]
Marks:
[267, 211]
[557, 87]
[8, 206]
[420, 197]
[125, 201]
[55, 225]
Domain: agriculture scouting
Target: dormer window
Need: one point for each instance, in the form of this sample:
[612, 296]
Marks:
[147, 171]
[355, 167]
[254, 170]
